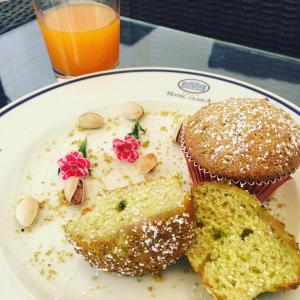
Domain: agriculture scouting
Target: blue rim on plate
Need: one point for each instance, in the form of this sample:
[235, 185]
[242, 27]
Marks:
[137, 70]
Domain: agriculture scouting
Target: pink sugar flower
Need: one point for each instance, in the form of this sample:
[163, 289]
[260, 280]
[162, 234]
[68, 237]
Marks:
[127, 149]
[74, 164]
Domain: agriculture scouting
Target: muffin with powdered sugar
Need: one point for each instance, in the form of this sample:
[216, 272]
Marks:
[136, 230]
[249, 142]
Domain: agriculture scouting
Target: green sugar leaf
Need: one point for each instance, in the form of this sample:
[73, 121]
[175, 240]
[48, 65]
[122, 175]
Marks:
[82, 148]
[136, 129]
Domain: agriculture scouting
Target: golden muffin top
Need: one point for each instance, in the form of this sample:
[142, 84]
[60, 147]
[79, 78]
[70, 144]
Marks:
[246, 139]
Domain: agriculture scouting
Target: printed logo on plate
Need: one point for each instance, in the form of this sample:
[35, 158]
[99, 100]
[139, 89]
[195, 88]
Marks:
[193, 86]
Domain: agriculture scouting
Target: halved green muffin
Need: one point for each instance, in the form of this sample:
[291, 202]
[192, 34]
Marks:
[135, 230]
[240, 250]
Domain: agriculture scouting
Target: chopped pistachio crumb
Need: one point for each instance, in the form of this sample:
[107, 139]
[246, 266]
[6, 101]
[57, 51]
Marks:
[122, 205]
[246, 232]
[107, 158]
[146, 144]
[217, 234]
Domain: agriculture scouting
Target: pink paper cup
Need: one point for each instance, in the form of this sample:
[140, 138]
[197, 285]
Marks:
[261, 189]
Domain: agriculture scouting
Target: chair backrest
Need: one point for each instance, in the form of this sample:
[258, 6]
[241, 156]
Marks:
[15, 13]
[272, 25]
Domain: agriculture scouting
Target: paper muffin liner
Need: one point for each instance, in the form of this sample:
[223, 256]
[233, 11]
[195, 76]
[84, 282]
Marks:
[261, 189]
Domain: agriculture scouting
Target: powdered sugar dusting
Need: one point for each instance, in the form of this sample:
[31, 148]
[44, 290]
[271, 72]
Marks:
[247, 135]
[152, 246]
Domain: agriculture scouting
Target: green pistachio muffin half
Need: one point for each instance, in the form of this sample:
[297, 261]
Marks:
[135, 230]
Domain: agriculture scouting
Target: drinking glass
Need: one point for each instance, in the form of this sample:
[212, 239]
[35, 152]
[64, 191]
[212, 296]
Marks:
[81, 36]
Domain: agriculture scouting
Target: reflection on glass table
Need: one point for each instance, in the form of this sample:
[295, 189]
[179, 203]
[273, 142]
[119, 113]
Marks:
[25, 66]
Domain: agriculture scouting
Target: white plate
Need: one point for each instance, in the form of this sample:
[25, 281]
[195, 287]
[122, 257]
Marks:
[36, 130]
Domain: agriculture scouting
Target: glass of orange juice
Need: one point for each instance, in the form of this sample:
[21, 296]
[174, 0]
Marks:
[81, 36]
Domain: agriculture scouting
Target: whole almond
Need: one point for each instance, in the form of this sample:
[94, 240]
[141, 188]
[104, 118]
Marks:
[133, 110]
[91, 120]
[27, 211]
[148, 163]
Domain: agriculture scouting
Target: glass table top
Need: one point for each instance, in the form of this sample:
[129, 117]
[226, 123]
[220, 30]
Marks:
[25, 66]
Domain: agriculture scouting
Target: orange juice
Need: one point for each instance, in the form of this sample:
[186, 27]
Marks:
[81, 38]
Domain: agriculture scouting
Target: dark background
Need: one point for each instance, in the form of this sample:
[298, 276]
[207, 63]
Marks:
[272, 25]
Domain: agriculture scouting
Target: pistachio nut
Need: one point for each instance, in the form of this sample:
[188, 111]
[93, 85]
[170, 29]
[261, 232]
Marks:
[74, 190]
[27, 211]
[176, 133]
[91, 120]
[148, 163]
[133, 110]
